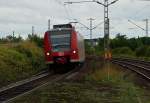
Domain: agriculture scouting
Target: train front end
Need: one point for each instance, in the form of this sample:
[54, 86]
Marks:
[61, 45]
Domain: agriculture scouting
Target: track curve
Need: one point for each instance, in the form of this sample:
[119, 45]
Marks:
[139, 66]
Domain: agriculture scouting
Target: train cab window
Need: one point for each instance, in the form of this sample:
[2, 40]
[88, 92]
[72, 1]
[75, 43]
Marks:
[60, 40]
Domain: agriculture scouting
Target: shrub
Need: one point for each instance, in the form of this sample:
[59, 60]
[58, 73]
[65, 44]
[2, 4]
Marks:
[148, 52]
[34, 53]
[20, 62]
[89, 49]
[123, 51]
[141, 51]
[36, 39]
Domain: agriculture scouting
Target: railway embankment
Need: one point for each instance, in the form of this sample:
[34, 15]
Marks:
[97, 81]
[19, 61]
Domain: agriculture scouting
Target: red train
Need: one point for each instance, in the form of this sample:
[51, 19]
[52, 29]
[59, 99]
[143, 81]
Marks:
[63, 45]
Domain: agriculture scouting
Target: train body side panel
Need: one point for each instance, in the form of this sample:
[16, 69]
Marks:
[81, 48]
[47, 49]
[74, 48]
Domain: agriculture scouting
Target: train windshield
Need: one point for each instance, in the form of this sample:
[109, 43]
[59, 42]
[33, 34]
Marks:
[60, 40]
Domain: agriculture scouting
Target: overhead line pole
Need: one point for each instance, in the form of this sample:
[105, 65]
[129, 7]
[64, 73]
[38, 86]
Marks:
[49, 24]
[106, 29]
[106, 4]
[32, 30]
[146, 20]
[146, 29]
[91, 28]
[13, 35]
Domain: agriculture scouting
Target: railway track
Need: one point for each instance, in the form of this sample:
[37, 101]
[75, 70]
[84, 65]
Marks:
[20, 88]
[139, 66]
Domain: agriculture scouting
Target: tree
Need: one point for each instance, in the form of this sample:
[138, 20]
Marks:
[38, 40]
[119, 41]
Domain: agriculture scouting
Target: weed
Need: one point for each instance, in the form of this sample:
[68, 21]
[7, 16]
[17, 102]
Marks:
[19, 62]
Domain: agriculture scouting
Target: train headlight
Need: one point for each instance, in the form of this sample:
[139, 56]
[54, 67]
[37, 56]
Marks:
[74, 52]
[47, 53]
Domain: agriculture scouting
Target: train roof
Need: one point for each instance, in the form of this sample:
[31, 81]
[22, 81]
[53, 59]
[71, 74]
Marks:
[62, 26]
[60, 29]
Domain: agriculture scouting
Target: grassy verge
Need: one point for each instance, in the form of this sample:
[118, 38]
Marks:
[132, 57]
[106, 84]
[19, 61]
[123, 80]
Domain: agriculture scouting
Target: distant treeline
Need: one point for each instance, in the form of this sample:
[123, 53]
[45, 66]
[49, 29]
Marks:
[139, 47]
[34, 38]
[132, 43]
[121, 45]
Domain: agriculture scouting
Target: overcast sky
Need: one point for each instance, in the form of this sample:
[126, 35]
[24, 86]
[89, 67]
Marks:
[21, 15]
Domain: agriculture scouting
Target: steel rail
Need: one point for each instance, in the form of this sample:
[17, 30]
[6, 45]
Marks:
[139, 62]
[16, 90]
[134, 67]
[133, 59]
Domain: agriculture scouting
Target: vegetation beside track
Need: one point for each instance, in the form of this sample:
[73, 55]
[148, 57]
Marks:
[19, 61]
[123, 82]
[122, 46]
[103, 84]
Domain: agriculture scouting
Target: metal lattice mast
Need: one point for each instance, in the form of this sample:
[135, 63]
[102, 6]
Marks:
[32, 30]
[49, 24]
[13, 35]
[91, 29]
[146, 29]
[106, 4]
[106, 27]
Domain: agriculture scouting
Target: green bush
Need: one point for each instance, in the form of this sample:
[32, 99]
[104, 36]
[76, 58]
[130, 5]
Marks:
[20, 62]
[89, 49]
[36, 39]
[141, 51]
[34, 53]
[148, 52]
[122, 51]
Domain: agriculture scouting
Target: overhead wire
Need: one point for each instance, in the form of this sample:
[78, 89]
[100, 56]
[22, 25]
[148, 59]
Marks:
[98, 25]
[68, 17]
[140, 11]
[67, 10]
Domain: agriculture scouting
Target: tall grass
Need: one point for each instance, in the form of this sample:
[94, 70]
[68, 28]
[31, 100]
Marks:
[33, 53]
[19, 62]
[114, 77]
[107, 73]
